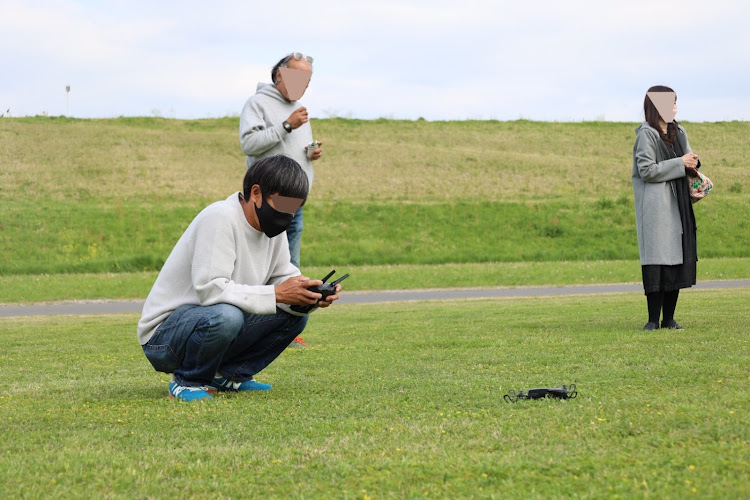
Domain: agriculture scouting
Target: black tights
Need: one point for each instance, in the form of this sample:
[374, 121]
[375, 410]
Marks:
[658, 301]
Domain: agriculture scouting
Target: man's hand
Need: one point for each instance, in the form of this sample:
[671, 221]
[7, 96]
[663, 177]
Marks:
[294, 291]
[317, 153]
[329, 300]
[297, 118]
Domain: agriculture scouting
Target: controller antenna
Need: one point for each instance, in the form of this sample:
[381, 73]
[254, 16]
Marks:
[340, 279]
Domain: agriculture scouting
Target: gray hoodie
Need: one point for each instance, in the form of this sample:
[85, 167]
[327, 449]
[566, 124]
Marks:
[262, 133]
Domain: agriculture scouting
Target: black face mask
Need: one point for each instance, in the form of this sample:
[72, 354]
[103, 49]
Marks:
[272, 222]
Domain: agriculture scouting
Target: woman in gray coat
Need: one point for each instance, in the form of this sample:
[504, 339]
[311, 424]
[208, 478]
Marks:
[662, 161]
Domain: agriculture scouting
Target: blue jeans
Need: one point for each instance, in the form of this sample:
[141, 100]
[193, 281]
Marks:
[294, 235]
[195, 342]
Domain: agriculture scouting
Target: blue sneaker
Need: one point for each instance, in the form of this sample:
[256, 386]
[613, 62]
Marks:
[187, 393]
[224, 384]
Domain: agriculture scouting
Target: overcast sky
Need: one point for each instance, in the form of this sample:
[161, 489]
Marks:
[440, 60]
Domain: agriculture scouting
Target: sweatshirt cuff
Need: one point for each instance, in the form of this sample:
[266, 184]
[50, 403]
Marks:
[267, 300]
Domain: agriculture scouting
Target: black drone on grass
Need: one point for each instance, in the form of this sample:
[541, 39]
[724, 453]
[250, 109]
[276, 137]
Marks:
[563, 392]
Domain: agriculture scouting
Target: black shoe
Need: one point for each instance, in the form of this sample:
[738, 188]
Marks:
[651, 326]
[671, 324]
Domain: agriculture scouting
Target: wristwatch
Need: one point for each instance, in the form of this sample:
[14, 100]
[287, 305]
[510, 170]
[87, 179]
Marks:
[287, 126]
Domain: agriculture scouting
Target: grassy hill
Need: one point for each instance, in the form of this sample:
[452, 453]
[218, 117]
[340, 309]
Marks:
[115, 194]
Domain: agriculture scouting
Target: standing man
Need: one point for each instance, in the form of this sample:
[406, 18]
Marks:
[219, 311]
[273, 121]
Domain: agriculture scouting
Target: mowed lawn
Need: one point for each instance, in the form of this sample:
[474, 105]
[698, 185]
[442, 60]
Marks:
[396, 400]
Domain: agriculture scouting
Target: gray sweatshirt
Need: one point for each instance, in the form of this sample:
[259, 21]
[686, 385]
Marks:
[220, 258]
[262, 132]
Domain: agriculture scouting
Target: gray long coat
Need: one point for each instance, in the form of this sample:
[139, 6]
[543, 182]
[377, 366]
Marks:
[656, 214]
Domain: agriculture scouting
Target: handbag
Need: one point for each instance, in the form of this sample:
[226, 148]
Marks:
[699, 187]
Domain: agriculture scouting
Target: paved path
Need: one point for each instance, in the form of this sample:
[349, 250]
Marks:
[135, 306]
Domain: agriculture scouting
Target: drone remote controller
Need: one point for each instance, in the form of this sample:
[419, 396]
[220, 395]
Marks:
[326, 289]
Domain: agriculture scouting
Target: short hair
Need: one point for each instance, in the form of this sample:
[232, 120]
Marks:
[276, 174]
[281, 64]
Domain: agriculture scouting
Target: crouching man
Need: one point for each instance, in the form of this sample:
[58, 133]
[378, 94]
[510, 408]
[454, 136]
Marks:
[219, 311]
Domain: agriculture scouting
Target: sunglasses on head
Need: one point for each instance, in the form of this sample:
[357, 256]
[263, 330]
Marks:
[299, 56]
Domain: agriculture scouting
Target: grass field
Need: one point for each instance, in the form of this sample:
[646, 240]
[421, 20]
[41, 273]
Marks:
[396, 401]
[114, 195]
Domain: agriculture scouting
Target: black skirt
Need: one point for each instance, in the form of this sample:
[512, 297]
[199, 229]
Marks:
[661, 278]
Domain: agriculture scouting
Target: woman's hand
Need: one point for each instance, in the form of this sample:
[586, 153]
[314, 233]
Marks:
[690, 160]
